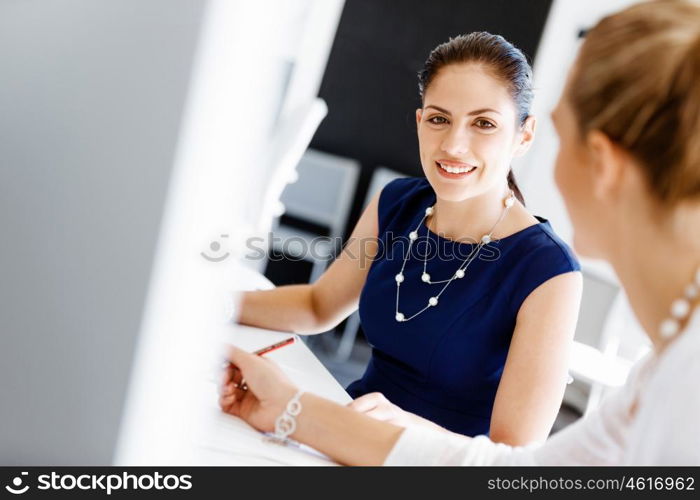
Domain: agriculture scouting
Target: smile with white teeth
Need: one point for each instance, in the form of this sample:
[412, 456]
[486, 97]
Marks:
[456, 170]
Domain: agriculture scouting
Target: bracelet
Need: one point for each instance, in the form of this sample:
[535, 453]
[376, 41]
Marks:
[286, 423]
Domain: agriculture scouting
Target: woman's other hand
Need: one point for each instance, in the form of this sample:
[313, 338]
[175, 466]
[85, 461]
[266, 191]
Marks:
[377, 406]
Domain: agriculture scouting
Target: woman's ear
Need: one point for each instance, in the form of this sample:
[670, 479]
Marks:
[527, 135]
[419, 116]
[607, 162]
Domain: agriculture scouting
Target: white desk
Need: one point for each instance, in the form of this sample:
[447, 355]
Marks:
[227, 440]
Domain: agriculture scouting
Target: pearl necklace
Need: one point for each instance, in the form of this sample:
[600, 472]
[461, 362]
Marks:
[680, 309]
[460, 273]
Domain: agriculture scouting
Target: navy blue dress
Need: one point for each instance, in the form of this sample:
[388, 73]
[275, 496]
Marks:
[446, 363]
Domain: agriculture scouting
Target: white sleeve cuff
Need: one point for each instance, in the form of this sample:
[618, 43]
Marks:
[425, 446]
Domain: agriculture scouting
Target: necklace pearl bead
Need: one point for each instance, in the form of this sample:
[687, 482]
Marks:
[429, 211]
[460, 273]
[399, 317]
[669, 327]
[509, 201]
[425, 277]
[680, 308]
[433, 301]
[486, 239]
[399, 278]
[413, 235]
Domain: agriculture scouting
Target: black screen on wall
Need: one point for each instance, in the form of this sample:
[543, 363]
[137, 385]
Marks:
[370, 83]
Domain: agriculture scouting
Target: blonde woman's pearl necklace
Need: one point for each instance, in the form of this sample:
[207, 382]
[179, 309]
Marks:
[461, 270]
[680, 309]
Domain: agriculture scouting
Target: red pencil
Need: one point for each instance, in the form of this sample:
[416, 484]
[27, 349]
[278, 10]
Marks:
[272, 347]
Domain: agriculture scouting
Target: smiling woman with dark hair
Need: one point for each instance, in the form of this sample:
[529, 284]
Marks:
[470, 321]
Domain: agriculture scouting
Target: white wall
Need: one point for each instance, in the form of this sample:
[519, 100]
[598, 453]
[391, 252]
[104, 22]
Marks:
[555, 54]
[600, 324]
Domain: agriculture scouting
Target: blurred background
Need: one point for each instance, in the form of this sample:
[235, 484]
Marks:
[152, 153]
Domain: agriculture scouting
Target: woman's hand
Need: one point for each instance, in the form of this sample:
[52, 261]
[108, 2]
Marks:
[254, 389]
[375, 405]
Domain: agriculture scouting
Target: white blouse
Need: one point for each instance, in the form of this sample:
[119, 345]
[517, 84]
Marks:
[652, 420]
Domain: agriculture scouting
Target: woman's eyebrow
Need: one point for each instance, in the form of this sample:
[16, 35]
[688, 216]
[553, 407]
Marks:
[483, 110]
[471, 113]
[441, 110]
